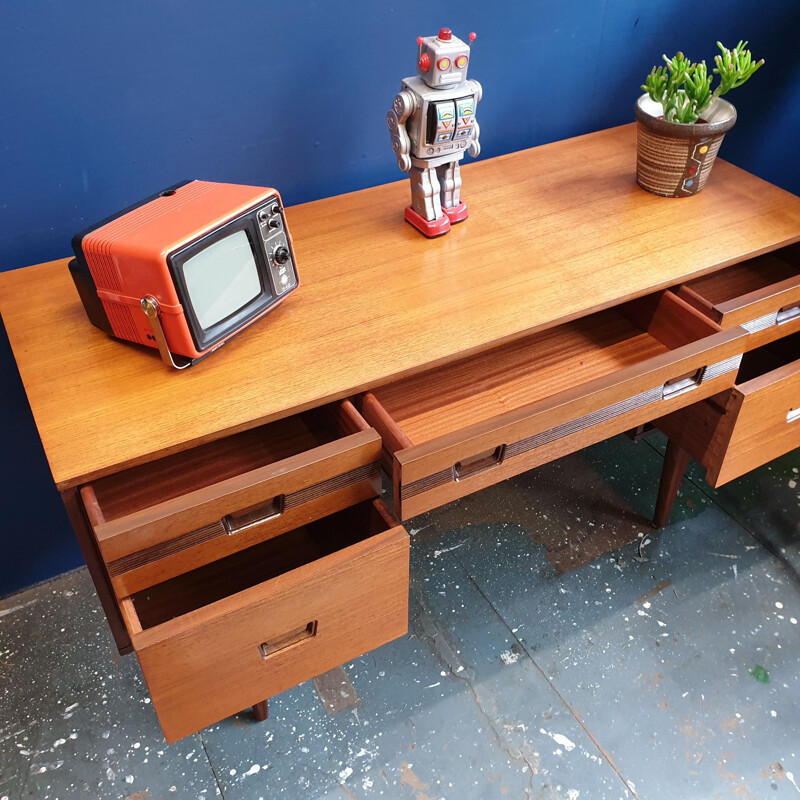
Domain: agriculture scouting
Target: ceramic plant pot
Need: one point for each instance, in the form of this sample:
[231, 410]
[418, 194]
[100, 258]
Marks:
[672, 159]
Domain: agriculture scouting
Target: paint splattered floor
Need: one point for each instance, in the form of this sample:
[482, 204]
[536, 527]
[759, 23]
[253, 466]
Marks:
[557, 648]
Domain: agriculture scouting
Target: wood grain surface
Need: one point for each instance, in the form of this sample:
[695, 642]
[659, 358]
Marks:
[554, 233]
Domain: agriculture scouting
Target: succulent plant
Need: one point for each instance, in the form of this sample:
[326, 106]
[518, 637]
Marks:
[684, 88]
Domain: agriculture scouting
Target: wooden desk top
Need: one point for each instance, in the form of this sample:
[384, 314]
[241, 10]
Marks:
[554, 233]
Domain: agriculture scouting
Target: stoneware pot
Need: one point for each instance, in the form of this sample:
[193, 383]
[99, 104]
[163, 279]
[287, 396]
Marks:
[672, 159]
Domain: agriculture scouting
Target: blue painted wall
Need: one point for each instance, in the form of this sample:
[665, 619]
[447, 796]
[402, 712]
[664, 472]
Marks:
[106, 102]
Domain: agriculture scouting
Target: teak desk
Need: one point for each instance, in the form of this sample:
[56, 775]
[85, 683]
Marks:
[227, 513]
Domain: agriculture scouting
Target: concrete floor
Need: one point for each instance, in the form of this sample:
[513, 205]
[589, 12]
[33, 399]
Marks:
[557, 648]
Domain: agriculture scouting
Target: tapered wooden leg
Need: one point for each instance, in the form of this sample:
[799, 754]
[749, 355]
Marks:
[675, 462]
[261, 710]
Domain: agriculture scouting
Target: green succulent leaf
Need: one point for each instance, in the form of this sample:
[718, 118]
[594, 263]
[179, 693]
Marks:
[684, 88]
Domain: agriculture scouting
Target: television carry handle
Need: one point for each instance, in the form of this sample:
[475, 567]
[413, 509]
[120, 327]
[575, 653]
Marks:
[153, 313]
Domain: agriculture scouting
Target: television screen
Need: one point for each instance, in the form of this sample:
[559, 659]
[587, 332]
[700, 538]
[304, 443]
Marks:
[222, 278]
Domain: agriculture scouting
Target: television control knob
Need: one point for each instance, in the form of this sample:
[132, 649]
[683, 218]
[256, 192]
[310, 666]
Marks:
[281, 255]
[274, 223]
[284, 279]
[275, 209]
[262, 215]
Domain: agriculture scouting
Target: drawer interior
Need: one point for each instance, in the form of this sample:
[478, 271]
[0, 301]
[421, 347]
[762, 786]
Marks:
[258, 564]
[455, 396]
[748, 276]
[770, 357]
[140, 487]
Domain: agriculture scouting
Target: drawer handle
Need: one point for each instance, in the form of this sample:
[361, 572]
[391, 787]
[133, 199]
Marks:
[787, 314]
[479, 463]
[793, 415]
[289, 639]
[235, 523]
[685, 383]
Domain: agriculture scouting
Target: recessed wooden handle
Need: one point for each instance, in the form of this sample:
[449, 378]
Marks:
[683, 384]
[289, 639]
[478, 463]
[793, 415]
[787, 314]
[234, 523]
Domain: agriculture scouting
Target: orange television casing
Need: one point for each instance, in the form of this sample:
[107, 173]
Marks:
[136, 254]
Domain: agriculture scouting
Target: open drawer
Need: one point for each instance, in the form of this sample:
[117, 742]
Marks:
[750, 424]
[233, 633]
[169, 516]
[471, 423]
[762, 295]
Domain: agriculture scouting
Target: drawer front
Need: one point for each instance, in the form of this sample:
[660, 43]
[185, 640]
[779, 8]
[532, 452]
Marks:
[767, 314]
[439, 471]
[200, 526]
[216, 661]
[760, 422]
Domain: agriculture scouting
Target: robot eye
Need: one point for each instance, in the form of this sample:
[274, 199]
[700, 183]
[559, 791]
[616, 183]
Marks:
[461, 61]
[443, 64]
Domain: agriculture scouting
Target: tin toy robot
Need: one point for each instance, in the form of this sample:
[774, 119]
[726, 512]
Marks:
[432, 124]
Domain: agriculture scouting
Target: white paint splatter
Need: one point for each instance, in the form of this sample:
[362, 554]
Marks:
[256, 768]
[345, 774]
[559, 738]
[790, 777]
[509, 657]
[4, 612]
[778, 605]
[437, 553]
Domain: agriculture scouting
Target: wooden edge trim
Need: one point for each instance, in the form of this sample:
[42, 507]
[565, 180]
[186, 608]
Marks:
[774, 291]
[352, 415]
[577, 393]
[97, 568]
[763, 381]
[685, 292]
[394, 438]
[385, 514]
[91, 506]
[395, 536]
[277, 471]
[130, 616]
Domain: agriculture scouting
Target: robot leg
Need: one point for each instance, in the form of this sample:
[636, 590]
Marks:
[425, 212]
[450, 181]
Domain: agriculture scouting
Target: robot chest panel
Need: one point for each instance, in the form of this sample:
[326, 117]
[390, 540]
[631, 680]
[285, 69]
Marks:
[445, 121]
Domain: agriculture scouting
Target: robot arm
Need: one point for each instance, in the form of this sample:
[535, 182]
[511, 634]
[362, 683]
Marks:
[474, 147]
[402, 108]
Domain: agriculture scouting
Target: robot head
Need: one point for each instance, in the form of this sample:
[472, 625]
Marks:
[443, 59]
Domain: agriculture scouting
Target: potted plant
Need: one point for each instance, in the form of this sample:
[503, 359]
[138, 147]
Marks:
[681, 121]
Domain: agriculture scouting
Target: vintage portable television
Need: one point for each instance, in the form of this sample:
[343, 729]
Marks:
[187, 269]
